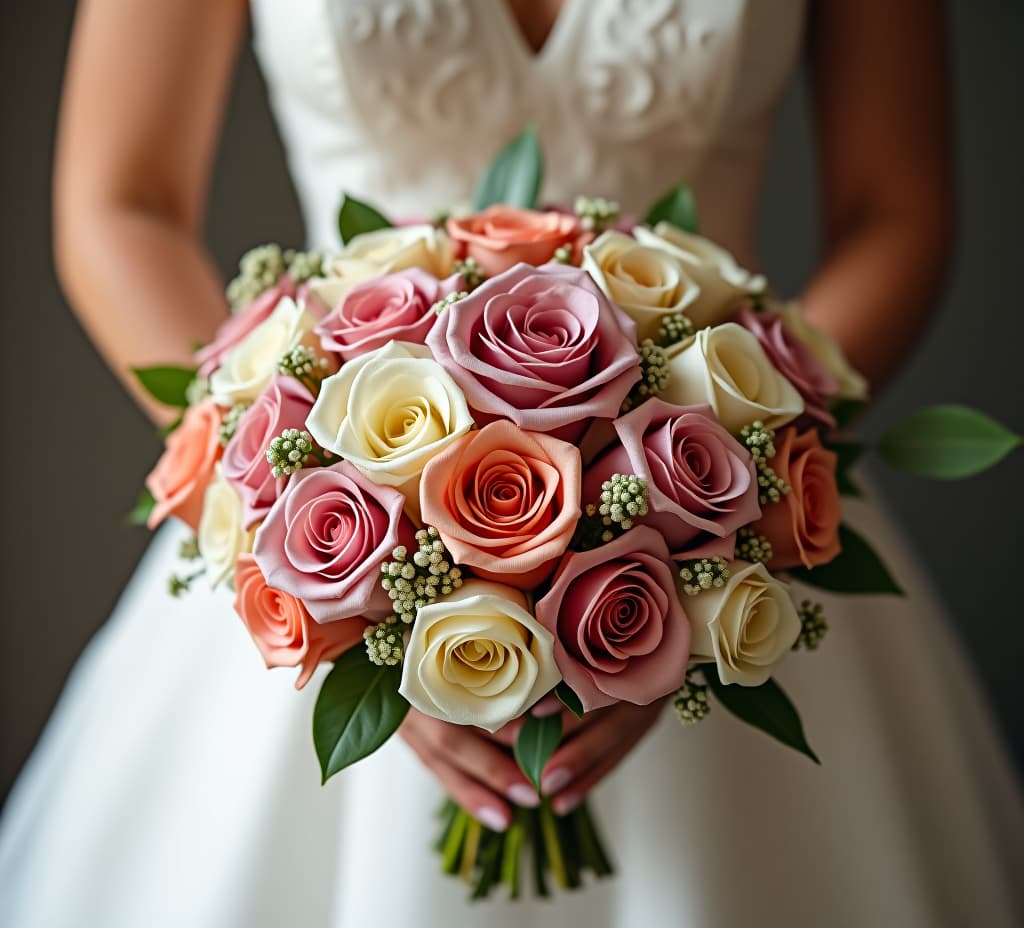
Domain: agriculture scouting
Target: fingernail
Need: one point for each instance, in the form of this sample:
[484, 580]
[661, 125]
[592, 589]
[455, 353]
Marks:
[563, 805]
[523, 795]
[554, 781]
[492, 818]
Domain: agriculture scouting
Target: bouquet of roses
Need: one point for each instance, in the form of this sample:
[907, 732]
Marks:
[517, 453]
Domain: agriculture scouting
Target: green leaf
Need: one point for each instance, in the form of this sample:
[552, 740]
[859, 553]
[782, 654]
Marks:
[947, 443]
[537, 741]
[167, 385]
[358, 709]
[857, 569]
[678, 207]
[848, 453]
[766, 707]
[515, 175]
[143, 507]
[569, 699]
[845, 411]
[356, 217]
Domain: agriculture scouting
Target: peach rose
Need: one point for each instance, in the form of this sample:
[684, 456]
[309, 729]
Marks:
[803, 526]
[283, 629]
[502, 236]
[179, 480]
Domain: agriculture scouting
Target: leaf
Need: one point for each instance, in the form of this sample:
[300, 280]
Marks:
[845, 411]
[167, 385]
[848, 453]
[678, 207]
[515, 175]
[358, 709]
[947, 443]
[856, 569]
[356, 217]
[765, 707]
[537, 741]
[143, 507]
[569, 699]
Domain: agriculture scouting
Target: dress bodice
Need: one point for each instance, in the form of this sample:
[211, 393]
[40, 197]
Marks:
[404, 102]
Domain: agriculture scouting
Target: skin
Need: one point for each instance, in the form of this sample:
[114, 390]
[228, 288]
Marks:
[144, 97]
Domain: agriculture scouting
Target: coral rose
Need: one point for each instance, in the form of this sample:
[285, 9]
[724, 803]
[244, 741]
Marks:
[500, 237]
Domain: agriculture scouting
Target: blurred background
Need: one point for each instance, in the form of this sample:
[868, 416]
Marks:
[68, 549]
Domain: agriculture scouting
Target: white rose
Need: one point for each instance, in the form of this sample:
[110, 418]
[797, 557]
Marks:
[726, 367]
[388, 412]
[648, 283]
[248, 367]
[221, 537]
[746, 627]
[478, 657]
[722, 282]
[852, 386]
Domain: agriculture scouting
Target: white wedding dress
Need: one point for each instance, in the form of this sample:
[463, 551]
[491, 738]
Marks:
[176, 784]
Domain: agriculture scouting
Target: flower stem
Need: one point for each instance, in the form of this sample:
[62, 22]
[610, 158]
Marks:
[552, 845]
[450, 856]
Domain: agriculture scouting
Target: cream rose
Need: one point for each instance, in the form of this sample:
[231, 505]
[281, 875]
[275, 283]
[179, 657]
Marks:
[221, 537]
[746, 627]
[647, 282]
[852, 386]
[722, 282]
[247, 369]
[478, 657]
[726, 367]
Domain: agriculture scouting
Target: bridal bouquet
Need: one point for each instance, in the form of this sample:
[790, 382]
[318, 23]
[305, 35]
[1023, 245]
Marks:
[516, 453]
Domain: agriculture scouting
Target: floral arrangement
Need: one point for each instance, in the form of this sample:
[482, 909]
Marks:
[519, 452]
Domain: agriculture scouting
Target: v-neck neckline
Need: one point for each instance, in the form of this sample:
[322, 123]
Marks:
[551, 41]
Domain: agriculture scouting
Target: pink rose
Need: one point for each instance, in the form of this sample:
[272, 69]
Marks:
[283, 629]
[701, 483]
[505, 501]
[179, 480]
[795, 361]
[326, 537]
[803, 526]
[540, 346]
[501, 236]
[395, 307]
[285, 404]
[620, 631]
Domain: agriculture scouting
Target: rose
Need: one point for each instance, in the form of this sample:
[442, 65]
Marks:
[850, 385]
[478, 657]
[619, 628]
[745, 627]
[395, 307]
[725, 367]
[247, 368]
[540, 346]
[803, 526]
[504, 501]
[325, 538]
[722, 282]
[502, 236]
[648, 283]
[284, 404]
[221, 537]
[389, 412]
[794, 360]
[181, 476]
[701, 483]
[283, 629]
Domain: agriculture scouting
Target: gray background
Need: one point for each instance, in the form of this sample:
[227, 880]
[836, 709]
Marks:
[67, 551]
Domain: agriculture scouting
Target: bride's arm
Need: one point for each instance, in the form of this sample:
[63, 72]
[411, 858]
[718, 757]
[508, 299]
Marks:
[880, 91]
[143, 98]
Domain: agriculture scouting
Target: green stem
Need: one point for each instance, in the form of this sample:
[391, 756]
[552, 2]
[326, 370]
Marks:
[540, 865]
[511, 853]
[570, 850]
[590, 841]
[490, 868]
[552, 845]
[470, 848]
[453, 842]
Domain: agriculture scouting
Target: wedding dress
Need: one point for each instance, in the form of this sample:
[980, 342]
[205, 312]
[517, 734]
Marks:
[176, 784]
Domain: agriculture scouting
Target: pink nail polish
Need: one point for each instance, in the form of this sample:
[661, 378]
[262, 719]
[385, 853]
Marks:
[492, 818]
[565, 804]
[523, 795]
[554, 781]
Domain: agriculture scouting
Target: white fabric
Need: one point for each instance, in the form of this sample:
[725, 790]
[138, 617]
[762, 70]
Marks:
[176, 784]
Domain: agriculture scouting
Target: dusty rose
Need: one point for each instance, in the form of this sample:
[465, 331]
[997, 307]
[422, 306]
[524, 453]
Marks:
[179, 480]
[540, 346]
[395, 307]
[701, 482]
[502, 236]
[326, 537]
[283, 405]
[620, 630]
[803, 526]
[282, 627]
[505, 501]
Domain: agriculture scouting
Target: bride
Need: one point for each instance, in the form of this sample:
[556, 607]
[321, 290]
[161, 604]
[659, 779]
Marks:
[176, 783]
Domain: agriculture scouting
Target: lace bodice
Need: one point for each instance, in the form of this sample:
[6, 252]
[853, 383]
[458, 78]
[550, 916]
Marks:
[403, 102]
